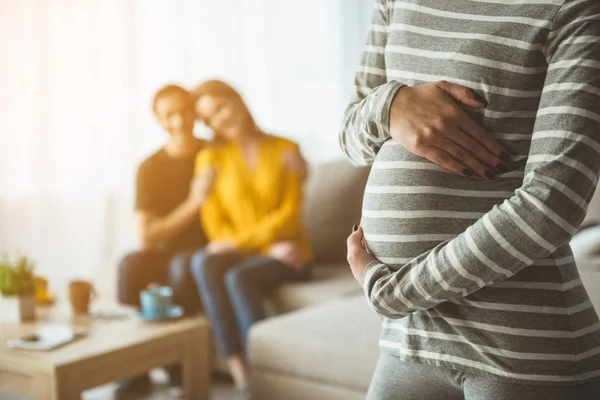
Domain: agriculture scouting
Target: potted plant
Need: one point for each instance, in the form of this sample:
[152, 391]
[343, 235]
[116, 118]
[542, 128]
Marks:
[17, 288]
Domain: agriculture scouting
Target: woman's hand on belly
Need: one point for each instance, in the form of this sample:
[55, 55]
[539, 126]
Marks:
[426, 120]
[358, 255]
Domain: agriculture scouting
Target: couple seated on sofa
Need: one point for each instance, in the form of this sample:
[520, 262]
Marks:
[220, 221]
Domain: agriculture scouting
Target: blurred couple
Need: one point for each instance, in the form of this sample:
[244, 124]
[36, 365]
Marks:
[219, 221]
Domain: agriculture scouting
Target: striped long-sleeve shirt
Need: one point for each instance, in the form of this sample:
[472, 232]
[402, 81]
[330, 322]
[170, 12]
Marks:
[471, 274]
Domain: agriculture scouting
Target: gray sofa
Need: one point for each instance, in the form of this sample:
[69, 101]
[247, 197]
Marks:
[323, 343]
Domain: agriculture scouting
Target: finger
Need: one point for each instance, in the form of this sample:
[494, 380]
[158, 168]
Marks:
[466, 124]
[462, 94]
[354, 243]
[446, 161]
[476, 149]
[297, 261]
[363, 243]
[288, 254]
[460, 154]
[361, 232]
[292, 261]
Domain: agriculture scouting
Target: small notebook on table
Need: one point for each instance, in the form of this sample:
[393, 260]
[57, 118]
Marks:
[48, 337]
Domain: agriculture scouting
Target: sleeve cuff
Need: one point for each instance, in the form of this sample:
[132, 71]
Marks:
[368, 272]
[389, 93]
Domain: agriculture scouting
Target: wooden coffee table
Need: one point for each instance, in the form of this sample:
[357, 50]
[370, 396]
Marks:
[114, 350]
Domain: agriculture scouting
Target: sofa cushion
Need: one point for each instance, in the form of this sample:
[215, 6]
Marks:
[333, 202]
[586, 243]
[593, 212]
[270, 385]
[590, 276]
[335, 343]
[328, 282]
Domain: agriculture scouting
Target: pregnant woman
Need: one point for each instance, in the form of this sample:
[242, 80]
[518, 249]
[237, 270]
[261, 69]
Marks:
[464, 249]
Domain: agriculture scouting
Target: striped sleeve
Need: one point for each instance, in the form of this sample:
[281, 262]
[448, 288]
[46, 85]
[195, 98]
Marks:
[560, 178]
[366, 121]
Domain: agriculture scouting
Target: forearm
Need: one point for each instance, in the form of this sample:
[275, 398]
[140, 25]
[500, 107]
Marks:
[366, 124]
[159, 230]
[366, 121]
[506, 240]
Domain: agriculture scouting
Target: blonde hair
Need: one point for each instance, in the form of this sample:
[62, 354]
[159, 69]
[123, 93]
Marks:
[217, 88]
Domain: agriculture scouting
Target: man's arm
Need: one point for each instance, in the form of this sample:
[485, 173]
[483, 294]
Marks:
[296, 163]
[560, 178]
[154, 230]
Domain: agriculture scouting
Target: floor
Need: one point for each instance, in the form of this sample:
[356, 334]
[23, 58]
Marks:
[221, 390]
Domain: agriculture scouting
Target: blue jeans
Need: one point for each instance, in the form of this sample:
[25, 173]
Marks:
[138, 269]
[232, 291]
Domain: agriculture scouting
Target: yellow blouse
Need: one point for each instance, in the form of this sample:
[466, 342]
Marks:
[256, 208]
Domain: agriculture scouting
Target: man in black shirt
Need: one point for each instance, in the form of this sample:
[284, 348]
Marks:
[168, 199]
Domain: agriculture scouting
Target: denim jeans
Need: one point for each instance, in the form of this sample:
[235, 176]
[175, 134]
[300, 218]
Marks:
[233, 289]
[137, 270]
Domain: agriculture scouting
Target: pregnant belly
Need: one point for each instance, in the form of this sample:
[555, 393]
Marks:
[411, 205]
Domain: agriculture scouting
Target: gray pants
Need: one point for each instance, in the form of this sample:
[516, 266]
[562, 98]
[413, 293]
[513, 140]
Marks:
[398, 380]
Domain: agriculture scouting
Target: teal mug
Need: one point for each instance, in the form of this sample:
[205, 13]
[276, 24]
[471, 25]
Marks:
[156, 302]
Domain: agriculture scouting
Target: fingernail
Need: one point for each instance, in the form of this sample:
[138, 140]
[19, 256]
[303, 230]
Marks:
[489, 174]
[468, 172]
[505, 157]
[501, 168]
[480, 99]
[354, 228]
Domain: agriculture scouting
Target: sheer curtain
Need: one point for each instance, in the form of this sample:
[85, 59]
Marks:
[76, 81]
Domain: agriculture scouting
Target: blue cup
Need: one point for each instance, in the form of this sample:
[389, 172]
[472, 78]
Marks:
[156, 302]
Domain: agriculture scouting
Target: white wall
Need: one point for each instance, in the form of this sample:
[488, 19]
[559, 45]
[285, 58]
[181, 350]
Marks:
[77, 78]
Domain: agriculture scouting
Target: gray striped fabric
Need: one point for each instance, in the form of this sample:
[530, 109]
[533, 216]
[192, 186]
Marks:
[478, 275]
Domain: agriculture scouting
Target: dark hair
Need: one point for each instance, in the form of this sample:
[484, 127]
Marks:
[167, 91]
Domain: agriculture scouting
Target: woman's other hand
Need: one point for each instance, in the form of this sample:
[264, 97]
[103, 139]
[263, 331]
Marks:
[358, 255]
[202, 184]
[224, 246]
[288, 253]
[294, 161]
[428, 122]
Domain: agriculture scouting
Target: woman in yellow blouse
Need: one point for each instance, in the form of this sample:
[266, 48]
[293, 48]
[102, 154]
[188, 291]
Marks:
[252, 220]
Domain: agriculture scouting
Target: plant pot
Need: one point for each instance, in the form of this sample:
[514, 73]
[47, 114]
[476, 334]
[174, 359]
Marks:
[17, 308]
